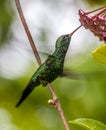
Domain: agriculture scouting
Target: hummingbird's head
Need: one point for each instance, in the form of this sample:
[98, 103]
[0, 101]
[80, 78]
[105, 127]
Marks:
[63, 41]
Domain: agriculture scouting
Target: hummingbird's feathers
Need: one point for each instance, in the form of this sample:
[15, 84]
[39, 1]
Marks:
[72, 75]
[38, 78]
[42, 80]
[49, 61]
[98, 75]
[31, 85]
[50, 69]
[44, 53]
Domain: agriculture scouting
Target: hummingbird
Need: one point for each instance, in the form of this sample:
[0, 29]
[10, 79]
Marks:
[51, 68]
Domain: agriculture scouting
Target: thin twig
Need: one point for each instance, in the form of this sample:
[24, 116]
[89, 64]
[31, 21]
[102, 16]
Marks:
[55, 100]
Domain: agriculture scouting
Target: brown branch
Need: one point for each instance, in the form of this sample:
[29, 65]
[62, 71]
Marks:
[55, 100]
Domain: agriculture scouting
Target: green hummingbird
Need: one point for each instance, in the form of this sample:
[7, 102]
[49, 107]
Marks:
[51, 68]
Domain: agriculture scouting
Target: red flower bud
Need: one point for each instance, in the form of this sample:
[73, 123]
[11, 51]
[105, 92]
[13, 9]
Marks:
[96, 23]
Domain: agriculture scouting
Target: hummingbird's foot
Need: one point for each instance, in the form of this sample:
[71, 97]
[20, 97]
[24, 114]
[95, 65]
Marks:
[43, 82]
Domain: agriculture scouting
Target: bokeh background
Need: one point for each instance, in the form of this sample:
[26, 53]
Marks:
[48, 19]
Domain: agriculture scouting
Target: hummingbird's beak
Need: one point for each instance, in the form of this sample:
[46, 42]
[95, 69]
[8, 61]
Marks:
[74, 31]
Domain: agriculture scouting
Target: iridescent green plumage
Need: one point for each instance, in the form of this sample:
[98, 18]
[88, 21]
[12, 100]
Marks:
[51, 68]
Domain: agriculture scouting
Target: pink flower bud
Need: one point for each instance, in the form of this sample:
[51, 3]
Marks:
[96, 23]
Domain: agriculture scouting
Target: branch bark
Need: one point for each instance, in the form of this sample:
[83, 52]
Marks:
[55, 101]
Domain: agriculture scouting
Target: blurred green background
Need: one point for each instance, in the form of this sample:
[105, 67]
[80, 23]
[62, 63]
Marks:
[79, 98]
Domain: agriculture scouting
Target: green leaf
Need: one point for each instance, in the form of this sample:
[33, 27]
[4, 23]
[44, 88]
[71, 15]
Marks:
[100, 54]
[89, 124]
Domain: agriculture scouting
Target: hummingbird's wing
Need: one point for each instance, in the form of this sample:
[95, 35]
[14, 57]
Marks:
[44, 53]
[85, 75]
[72, 75]
[45, 74]
[49, 61]
[95, 75]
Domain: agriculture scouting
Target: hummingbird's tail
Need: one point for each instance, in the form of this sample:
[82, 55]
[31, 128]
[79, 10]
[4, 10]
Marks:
[31, 85]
